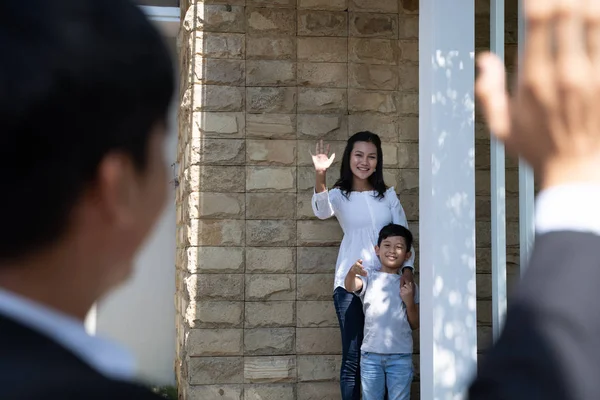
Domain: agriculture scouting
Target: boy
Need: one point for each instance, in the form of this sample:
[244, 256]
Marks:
[391, 313]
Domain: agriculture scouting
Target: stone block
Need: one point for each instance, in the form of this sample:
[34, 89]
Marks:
[218, 45]
[408, 155]
[214, 259]
[215, 205]
[270, 314]
[221, 392]
[271, 126]
[270, 205]
[410, 203]
[271, 179]
[270, 392]
[213, 98]
[318, 391]
[205, 151]
[412, 6]
[318, 368]
[270, 369]
[409, 27]
[216, 232]
[316, 260]
[314, 287]
[319, 233]
[322, 23]
[327, 127]
[273, 100]
[329, 5]
[270, 73]
[272, 3]
[271, 152]
[270, 48]
[323, 49]
[269, 341]
[385, 126]
[224, 179]
[215, 18]
[215, 286]
[484, 286]
[306, 177]
[409, 76]
[316, 314]
[362, 101]
[218, 125]
[215, 342]
[215, 370]
[269, 260]
[484, 312]
[322, 101]
[332, 75]
[264, 287]
[409, 103]
[218, 314]
[304, 206]
[390, 154]
[408, 181]
[408, 129]
[270, 233]
[409, 50]
[381, 6]
[373, 51]
[217, 71]
[307, 147]
[318, 341]
[280, 21]
[373, 25]
[376, 77]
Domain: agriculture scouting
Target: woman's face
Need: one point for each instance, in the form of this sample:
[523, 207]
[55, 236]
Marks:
[363, 159]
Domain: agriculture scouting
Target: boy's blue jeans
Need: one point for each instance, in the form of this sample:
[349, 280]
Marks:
[380, 370]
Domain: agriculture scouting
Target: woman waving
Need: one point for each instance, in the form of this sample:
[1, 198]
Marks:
[362, 204]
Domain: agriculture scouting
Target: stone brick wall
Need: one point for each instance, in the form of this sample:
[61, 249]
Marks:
[261, 81]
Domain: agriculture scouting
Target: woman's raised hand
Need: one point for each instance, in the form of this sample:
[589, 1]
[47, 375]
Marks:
[322, 160]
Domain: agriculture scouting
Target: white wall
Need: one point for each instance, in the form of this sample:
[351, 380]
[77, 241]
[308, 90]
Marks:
[141, 314]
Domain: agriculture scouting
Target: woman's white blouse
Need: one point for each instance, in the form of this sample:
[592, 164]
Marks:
[361, 216]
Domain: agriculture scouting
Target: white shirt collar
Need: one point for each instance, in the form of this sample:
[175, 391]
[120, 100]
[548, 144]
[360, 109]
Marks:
[103, 355]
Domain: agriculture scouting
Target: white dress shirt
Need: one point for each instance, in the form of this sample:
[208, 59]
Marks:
[572, 207]
[104, 356]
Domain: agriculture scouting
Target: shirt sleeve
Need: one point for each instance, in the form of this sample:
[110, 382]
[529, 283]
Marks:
[399, 217]
[572, 207]
[361, 293]
[323, 204]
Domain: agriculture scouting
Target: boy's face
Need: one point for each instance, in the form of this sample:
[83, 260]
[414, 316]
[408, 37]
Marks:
[392, 252]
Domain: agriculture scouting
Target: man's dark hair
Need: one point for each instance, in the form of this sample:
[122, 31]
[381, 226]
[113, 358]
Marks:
[79, 79]
[395, 230]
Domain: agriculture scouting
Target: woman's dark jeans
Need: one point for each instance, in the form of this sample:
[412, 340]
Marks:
[352, 321]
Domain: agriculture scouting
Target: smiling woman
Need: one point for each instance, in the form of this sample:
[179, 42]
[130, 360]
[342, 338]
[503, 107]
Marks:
[363, 204]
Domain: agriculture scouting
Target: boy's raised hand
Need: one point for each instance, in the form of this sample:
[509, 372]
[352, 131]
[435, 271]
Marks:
[358, 268]
[407, 293]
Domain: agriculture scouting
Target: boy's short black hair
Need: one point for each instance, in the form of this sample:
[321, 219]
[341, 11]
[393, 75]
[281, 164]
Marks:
[78, 79]
[392, 230]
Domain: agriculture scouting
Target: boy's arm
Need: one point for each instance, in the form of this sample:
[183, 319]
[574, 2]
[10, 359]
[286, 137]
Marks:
[410, 296]
[352, 282]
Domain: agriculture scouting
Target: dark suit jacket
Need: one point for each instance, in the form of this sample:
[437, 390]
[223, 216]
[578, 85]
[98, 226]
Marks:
[33, 367]
[550, 346]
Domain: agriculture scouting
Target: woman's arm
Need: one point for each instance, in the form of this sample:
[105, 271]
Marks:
[321, 203]
[399, 217]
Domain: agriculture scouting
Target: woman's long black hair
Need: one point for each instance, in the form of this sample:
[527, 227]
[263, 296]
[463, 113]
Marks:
[344, 183]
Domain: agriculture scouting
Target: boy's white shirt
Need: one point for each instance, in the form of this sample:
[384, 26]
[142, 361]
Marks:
[387, 330]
